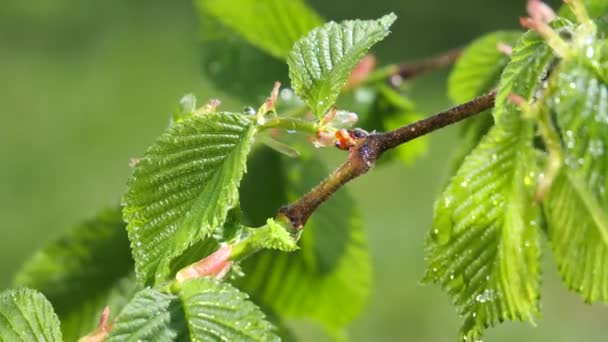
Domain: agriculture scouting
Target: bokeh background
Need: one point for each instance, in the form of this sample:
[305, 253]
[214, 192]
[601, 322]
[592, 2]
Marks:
[85, 85]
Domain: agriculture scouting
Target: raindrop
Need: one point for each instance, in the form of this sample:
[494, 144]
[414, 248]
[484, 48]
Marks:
[596, 148]
[447, 201]
[249, 110]
[486, 296]
[570, 139]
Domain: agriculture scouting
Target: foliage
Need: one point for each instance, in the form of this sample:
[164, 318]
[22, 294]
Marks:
[201, 226]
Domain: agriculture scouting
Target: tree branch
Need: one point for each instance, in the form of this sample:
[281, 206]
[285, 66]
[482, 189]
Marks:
[363, 155]
[409, 70]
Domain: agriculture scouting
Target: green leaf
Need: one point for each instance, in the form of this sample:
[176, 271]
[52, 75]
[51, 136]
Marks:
[483, 249]
[86, 269]
[272, 235]
[203, 310]
[577, 204]
[530, 61]
[595, 8]
[484, 245]
[321, 62]
[471, 132]
[183, 187]
[25, 315]
[328, 278]
[271, 25]
[478, 69]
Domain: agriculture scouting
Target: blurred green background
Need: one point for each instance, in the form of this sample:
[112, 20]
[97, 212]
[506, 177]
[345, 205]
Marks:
[85, 85]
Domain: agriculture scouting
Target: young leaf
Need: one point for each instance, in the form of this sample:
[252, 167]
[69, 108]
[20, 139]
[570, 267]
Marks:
[577, 202]
[478, 69]
[272, 236]
[321, 62]
[203, 310]
[25, 315]
[483, 248]
[183, 187]
[83, 271]
[328, 278]
[530, 61]
[271, 25]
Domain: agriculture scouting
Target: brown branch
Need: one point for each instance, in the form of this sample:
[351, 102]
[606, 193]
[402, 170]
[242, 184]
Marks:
[363, 155]
[409, 70]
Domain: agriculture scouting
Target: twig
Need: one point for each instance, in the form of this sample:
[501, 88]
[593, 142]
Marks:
[409, 70]
[363, 155]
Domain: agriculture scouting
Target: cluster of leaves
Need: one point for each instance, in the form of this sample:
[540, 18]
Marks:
[204, 196]
[190, 195]
[484, 245]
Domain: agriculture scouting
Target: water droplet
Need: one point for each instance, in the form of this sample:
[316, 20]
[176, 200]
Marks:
[596, 147]
[486, 296]
[569, 139]
[249, 110]
[451, 277]
[447, 201]
[464, 184]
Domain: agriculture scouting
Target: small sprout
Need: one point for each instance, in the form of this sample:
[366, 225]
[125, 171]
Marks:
[553, 39]
[211, 106]
[103, 328]
[504, 48]
[322, 139]
[346, 139]
[540, 11]
[528, 109]
[274, 95]
[269, 104]
[133, 162]
[329, 116]
[187, 104]
[215, 265]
